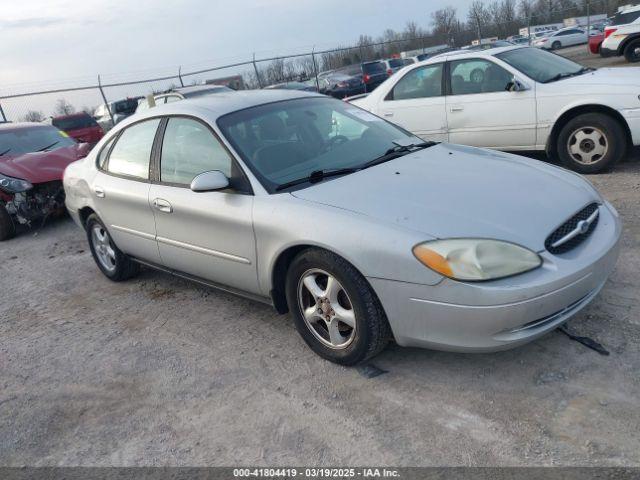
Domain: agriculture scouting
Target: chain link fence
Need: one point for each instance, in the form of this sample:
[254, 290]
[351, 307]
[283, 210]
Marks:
[250, 73]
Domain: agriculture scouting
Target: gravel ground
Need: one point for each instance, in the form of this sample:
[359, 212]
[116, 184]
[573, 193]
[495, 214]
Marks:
[158, 371]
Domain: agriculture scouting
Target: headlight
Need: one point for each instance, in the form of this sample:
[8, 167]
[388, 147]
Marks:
[14, 185]
[475, 259]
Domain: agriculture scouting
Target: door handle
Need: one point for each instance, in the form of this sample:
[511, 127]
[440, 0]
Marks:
[162, 205]
[457, 109]
[388, 114]
[99, 191]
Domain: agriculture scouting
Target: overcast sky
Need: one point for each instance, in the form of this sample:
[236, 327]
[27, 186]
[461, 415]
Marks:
[46, 43]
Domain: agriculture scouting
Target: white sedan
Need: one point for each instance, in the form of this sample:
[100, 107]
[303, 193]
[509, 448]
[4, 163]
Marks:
[566, 37]
[517, 99]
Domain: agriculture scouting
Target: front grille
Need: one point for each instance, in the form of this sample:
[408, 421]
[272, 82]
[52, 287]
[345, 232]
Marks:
[569, 226]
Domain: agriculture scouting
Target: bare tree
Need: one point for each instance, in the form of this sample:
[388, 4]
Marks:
[479, 17]
[444, 23]
[63, 107]
[33, 116]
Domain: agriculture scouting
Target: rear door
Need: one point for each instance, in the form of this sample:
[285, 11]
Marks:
[482, 112]
[121, 190]
[417, 103]
[204, 234]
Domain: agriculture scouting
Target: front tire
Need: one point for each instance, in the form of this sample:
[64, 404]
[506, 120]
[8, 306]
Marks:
[7, 227]
[334, 309]
[114, 264]
[632, 51]
[591, 143]
[556, 45]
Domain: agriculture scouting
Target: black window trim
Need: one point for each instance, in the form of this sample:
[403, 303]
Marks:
[443, 84]
[240, 185]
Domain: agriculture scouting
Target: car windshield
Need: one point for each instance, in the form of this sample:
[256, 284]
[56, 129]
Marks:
[285, 141]
[33, 139]
[74, 123]
[539, 65]
[126, 107]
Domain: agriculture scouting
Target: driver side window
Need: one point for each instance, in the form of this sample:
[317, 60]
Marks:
[478, 76]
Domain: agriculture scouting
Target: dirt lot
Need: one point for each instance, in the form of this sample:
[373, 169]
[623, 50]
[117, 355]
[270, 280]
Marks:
[158, 371]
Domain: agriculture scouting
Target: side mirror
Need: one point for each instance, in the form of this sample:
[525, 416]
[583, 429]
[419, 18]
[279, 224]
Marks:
[210, 181]
[516, 85]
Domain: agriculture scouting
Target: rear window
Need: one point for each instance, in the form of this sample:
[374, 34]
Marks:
[396, 62]
[126, 106]
[74, 123]
[376, 67]
[623, 18]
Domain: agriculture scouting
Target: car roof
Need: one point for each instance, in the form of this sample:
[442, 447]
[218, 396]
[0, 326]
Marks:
[22, 126]
[71, 115]
[215, 106]
[461, 54]
[197, 88]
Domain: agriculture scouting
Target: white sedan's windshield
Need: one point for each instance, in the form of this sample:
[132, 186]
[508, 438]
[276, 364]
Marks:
[539, 65]
[285, 141]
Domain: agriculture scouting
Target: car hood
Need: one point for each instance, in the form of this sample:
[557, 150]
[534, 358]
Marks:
[607, 77]
[452, 191]
[39, 167]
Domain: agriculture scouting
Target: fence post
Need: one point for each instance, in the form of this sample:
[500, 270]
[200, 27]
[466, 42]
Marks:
[255, 67]
[180, 76]
[4, 117]
[315, 67]
[529, 28]
[588, 19]
[106, 104]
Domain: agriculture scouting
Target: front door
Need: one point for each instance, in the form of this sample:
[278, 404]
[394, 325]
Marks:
[204, 234]
[417, 103]
[482, 112]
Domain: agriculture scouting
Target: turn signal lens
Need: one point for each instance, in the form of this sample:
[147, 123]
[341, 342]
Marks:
[476, 259]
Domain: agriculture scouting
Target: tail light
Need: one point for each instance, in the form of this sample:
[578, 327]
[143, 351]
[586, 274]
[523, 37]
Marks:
[366, 78]
[389, 72]
[609, 31]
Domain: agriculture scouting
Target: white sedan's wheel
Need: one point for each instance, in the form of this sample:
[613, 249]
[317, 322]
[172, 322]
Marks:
[591, 143]
[588, 145]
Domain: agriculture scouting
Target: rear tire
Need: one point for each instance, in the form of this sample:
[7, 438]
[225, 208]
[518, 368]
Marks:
[556, 45]
[7, 227]
[591, 143]
[365, 330]
[632, 51]
[114, 264]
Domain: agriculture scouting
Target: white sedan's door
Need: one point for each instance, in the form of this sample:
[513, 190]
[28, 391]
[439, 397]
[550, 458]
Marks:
[417, 103]
[482, 112]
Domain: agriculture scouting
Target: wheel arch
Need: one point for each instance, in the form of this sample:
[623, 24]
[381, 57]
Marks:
[84, 213]
[278, 273]
[567, 115]
[623, 45]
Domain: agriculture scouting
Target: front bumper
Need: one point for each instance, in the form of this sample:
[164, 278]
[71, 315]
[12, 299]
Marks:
[502, 314]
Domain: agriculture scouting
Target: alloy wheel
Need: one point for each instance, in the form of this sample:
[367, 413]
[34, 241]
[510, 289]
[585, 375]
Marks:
[587, 145]
[326, 309]
[102, 246]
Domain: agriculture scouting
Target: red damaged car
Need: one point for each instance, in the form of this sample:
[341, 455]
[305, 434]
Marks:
[33, 157]
[80, 126]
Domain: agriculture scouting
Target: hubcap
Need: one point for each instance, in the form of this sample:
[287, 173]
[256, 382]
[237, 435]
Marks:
[326, 309]
[587, 145]
[102, 246]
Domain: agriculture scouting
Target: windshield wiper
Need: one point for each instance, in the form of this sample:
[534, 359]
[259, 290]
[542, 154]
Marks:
[398, 151]
[316, 176]
[48, 147]
[6, 151]
[561, 76]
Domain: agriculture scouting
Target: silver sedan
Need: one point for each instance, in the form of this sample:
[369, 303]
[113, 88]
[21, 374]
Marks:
[362, 231]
